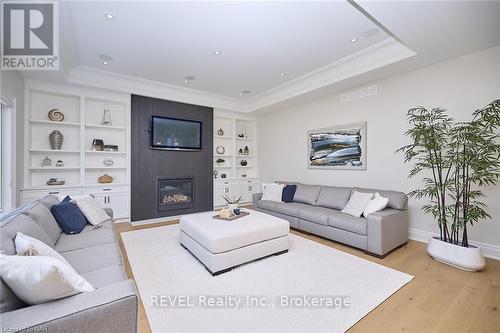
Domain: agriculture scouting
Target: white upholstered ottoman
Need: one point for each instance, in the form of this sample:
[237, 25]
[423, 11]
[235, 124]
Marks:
[222, 245]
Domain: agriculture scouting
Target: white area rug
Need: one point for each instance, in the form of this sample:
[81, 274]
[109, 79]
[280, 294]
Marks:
[163, 268]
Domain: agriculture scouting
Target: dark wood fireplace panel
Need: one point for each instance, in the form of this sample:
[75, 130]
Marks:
[149, 166]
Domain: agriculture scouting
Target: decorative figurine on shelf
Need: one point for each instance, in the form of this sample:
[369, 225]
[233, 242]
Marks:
[244, 175]
[220, 150]
[97, 144]
[55, 115]
[220, 161]
[246, 151]
[216, 173]
[56, 140]
[220, 132]
[104, 179]
[54, 181]
[46, 162]
[108, 162]
[223, 175]
[106, 117]
[241, 135]
[59, 163]
[243, 163]
[240, 152]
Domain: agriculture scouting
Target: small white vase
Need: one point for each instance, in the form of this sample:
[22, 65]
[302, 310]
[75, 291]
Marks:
[466, 258]
[232, 207]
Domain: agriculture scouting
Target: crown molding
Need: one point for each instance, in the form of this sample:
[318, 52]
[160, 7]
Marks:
[378, 55]
[109, 80]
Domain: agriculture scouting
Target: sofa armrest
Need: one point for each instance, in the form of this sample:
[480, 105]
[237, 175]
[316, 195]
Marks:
[386, 230]
[256, 197]
[112, 308]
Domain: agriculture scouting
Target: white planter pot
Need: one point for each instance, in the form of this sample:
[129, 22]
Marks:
[467, 258]
[232, 207]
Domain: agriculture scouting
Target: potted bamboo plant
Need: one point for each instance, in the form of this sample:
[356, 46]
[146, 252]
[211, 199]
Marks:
[458, 159]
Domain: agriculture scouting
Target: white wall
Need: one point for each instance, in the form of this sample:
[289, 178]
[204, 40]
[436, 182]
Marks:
[12, 87]
[461, 85]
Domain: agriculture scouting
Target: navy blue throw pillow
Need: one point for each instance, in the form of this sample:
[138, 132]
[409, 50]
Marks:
[69, 217]
[288, 193]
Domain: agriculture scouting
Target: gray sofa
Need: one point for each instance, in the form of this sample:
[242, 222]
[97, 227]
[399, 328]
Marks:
[94, 253]
[316, 209]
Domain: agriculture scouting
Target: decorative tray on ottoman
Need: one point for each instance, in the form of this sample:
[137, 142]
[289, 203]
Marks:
[232, 218]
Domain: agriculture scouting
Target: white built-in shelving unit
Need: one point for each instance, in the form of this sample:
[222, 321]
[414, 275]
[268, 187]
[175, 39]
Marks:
[239, 132]
[83, 110]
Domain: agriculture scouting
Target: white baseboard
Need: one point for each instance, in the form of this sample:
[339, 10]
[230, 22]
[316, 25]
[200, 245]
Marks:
[489, 250]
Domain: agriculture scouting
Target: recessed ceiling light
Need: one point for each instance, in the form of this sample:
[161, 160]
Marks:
[186, 81]
[106, 59]
[282, 74]
[245, 92]
[354, 40]
[217, 52]
[109, 16]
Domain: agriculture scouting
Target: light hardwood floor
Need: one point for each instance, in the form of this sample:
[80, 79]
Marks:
[439, 299]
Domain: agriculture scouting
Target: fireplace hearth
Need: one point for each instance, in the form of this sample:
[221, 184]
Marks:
[175, 193]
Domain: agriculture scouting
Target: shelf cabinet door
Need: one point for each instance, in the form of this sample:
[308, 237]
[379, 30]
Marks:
[119, 202]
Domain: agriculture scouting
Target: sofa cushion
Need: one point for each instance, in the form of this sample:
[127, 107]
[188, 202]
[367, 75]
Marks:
[93, 258]
[26, 225]
[105, 225]
[105, 276]
[333, 197]
[268, 205]
[42, 215]
[397, 200]
[307, 194]
[86, 239]
[69, 217]
[317, 215]
[348, 223]
[8, 300]
[290, 209]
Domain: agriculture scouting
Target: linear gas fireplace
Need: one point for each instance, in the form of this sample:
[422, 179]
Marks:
[175, 193]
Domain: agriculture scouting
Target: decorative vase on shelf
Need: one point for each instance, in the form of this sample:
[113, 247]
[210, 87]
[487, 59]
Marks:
[243, 163]
[46, 162]
[104, 179]
[106, 117]
[59, 164]
[246, 151]
[220, 132]
[56, 140]
[240, 152]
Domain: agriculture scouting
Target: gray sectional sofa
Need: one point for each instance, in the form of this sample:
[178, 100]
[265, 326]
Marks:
[94, 253]
[316, 209]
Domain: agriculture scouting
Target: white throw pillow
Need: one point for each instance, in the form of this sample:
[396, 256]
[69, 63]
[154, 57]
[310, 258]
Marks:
[92, 211]
[23, 243]
[40, 279]
[357, 203]
[376, 204]
[272, 191]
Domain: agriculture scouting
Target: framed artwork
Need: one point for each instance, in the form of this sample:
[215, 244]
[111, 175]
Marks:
[338, 147]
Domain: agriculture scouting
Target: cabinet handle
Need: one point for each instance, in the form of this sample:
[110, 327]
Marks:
[106, 189]
[54, 192]
[109, 199]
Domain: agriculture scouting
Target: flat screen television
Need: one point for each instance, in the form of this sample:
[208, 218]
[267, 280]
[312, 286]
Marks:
[175, 134]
